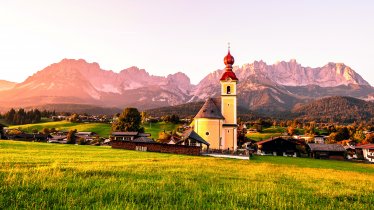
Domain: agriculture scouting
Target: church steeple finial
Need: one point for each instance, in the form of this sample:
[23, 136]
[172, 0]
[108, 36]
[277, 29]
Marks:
[229, 61]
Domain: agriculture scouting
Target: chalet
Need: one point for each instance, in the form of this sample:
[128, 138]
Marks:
[143, 140]
[326, 151]
[87, 136]
[366, 152]
[127, 136]
[61, 139]
[278, 147]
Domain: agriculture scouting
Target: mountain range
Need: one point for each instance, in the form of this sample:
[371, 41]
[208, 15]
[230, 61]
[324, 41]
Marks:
[263, 88]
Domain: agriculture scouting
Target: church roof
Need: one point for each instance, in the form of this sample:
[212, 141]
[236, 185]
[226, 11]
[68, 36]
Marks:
[211, 109]
[228, 74]
[191, 134]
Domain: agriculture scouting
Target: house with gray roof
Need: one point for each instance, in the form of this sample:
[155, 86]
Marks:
[326, 151]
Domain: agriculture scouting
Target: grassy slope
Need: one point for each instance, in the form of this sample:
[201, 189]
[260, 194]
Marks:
[40, 176]
[155, 128]
[102, 129]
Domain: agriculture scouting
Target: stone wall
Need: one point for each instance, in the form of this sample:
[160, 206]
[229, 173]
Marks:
[157, 147]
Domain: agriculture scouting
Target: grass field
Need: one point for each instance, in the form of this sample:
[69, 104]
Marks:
[262, 136]
[45, 176]
[155, 128]
[103, 129]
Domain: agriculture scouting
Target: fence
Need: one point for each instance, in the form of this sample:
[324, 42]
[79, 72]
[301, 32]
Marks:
[157, 147]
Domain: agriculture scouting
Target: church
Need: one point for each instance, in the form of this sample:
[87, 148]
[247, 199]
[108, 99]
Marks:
[216, 122]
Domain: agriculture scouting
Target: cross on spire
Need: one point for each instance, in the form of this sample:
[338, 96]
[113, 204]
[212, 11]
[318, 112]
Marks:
[228, 45]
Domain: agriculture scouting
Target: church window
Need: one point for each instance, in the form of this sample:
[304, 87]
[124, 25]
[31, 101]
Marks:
[228, 131]
[228, 90]
[207, 133]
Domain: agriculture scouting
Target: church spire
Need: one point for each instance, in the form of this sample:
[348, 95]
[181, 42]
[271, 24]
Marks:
[229, 61]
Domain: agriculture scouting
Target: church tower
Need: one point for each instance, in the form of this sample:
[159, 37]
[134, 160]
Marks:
[228, 104]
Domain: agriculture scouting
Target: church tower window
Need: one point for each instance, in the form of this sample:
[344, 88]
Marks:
[228, 90]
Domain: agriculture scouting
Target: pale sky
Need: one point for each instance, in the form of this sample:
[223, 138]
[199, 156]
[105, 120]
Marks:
[167, 36]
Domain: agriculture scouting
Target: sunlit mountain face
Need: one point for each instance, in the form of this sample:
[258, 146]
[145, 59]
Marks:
[261, 86]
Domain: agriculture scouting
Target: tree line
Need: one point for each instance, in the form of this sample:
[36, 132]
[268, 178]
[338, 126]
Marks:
[21, 116]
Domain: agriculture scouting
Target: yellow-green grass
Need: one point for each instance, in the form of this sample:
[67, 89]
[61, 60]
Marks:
[262, 136]
[50, 176]
[274, 129]
[155, 128]
[103, 129]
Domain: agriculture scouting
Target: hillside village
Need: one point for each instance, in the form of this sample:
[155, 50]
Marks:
[214, 129]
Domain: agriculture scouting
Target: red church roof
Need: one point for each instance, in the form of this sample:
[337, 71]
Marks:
[228, 74]
[229, 61]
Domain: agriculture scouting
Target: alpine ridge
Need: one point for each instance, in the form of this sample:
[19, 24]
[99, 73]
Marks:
[262, 87]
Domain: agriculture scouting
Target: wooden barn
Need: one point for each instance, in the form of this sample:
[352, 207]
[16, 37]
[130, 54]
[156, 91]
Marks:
[326, 151]
[278, 147]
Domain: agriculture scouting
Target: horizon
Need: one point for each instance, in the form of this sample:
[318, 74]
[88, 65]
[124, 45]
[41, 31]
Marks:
[166, 37]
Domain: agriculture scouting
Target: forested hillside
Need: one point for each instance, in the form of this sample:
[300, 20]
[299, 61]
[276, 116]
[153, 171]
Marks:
[336, 109]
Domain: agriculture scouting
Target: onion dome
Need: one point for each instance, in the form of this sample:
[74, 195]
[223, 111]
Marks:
[229, 61]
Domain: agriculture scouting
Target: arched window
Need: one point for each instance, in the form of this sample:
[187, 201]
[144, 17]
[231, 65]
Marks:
[228, 90]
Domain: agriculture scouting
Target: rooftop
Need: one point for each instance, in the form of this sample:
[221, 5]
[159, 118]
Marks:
[210, 110]
[326, 147]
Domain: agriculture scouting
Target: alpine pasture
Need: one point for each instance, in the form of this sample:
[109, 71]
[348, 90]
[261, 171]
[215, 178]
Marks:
[48, 176]
[102, 129]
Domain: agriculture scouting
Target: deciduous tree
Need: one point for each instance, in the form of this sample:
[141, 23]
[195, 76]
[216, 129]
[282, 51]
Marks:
[129, 120]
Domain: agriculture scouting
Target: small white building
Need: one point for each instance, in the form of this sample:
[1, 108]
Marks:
[319, 139]
[367, 152]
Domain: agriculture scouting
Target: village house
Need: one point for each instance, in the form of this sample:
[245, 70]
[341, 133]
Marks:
[318, 139]
[127, 136]
[326, 151]
[366, 152]
[61, 139]
[216, 122]
[278, 147]
[87, 136]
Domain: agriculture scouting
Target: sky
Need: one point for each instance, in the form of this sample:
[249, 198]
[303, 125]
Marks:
[191, 36]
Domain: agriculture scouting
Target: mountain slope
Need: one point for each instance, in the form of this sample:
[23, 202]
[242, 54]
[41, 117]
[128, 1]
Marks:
[79, 82]
[6, 85]
[336, 109]
[263, 88]
[278, 87]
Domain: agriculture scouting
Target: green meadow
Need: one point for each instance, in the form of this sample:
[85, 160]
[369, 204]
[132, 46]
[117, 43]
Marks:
[52, 176]
[103, 129]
